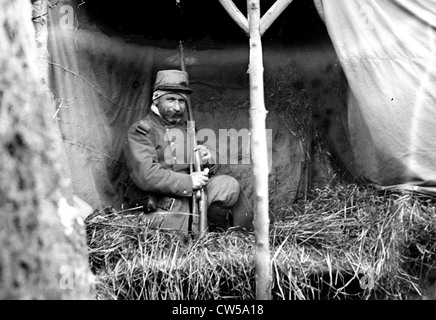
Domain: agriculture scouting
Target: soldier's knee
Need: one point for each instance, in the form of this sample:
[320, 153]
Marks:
[232, 184]
[230, 190]
[223, 188]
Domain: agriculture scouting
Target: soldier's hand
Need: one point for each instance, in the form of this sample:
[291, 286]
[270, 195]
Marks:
[199, 179]
[205, 155]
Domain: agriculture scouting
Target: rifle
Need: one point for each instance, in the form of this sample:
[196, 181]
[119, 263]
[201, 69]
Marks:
[199, 213]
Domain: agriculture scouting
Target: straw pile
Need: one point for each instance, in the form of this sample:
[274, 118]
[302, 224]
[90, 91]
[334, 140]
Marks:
[348, 242]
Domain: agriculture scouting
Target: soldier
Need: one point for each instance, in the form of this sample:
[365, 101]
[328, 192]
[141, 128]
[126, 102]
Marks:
[158, 164]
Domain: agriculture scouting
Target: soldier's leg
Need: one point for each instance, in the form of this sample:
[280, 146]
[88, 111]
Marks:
[224, 189]
[242, 213]
[222, 193]
[228, 206]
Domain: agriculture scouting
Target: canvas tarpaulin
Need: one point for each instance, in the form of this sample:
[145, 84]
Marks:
[387, 49]
[103, 85]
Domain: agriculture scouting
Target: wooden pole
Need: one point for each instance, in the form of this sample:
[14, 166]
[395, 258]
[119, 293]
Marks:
[260, 155]
[255, 28]
[271, 15]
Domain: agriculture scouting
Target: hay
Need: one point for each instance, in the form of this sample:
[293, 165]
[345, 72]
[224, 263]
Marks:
[348, 242]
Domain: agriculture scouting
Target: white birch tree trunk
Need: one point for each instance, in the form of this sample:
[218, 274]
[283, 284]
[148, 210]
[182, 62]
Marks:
[259, 154]
[43, 252]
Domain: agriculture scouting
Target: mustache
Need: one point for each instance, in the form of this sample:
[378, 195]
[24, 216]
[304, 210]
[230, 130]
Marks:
[173, 113]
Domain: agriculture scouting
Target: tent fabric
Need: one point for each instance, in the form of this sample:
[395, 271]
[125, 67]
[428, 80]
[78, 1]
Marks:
[387, 49]
[97, 102]
[103, 85]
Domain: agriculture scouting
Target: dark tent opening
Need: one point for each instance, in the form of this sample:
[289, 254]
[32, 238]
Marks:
[198, 21]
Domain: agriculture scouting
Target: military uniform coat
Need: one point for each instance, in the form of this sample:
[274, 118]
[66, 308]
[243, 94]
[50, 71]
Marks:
[158, 161]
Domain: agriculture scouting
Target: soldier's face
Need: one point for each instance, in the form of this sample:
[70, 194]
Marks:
[171, 107]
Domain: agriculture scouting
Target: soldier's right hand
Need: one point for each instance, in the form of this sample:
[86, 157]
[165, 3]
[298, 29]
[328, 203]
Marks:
[199, 179]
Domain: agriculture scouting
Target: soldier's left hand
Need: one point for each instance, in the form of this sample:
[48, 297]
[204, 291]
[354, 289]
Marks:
[205, 155]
